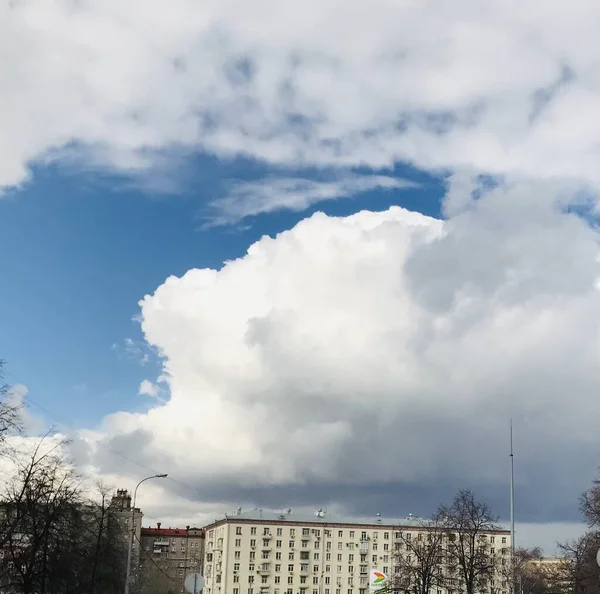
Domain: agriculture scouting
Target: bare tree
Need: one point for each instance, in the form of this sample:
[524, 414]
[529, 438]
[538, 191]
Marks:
[470, 564]
[52, 539]
[417, 558]
[589, 504]
[103, 543]
[10, 412]
[579, 574]
[37, 505]
[531, 575]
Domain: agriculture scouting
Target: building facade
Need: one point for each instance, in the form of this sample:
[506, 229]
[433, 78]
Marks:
[169, 555]
[128, 520]
[262, 552]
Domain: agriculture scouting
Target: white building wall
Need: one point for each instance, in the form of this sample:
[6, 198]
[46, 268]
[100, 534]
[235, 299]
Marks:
[297, 558]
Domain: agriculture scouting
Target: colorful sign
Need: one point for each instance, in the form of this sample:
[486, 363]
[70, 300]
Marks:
[377, 581]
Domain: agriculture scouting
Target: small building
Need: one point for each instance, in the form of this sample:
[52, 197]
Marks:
[169, 555]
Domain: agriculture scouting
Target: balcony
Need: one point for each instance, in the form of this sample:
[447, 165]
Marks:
[162, 543]
[264, 568]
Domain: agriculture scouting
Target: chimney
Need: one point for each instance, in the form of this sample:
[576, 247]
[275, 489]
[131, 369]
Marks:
[158, 525]
[187, 528]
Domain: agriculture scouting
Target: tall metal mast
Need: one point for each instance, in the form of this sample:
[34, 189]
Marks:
[512, 508]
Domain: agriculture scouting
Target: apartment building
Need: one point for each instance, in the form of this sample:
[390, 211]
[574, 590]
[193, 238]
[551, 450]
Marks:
[122, 512]
[170, 555]
[259, 552]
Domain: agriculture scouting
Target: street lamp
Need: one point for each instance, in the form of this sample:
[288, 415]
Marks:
[133, 527]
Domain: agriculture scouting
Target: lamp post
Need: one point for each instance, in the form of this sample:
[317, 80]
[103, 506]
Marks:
[132, 537]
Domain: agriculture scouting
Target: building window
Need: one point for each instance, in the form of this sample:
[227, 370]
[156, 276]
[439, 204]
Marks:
[253, 530]
[290, 579]
[278, 544]
[279, 531]
[291, 567]
[386, 536]
[238, 530]
[305, 531]
[291, 544]
[238, 542]
[340, 533]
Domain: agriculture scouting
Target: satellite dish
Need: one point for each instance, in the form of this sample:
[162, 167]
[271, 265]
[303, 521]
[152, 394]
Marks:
[194, 583]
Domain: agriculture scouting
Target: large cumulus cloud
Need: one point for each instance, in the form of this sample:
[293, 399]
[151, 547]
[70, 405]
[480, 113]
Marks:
[384, 349]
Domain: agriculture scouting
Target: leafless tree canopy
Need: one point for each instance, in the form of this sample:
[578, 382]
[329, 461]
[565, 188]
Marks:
[52, 539]
[418, 557]
[10, 413]
[468, 523]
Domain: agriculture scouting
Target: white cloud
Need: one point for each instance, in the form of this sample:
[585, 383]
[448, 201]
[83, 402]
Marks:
[499, 86]
[384, 347]
[147, 388]
[246, 199]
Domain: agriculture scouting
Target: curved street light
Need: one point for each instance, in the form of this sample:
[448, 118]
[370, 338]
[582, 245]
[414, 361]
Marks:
[131, 539]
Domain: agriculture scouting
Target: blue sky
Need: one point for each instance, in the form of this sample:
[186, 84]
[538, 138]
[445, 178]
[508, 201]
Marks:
[125, 129]
[84, 248]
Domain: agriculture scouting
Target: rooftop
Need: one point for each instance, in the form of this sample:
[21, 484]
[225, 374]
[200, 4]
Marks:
[159, 531]
[321, 517]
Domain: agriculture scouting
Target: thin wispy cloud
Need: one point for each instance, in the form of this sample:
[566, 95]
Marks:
[246, 199]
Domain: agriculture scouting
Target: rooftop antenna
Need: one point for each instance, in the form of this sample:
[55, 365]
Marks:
[512, 507]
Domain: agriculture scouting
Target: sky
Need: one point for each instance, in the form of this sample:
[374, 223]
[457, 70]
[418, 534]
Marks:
[307, 255]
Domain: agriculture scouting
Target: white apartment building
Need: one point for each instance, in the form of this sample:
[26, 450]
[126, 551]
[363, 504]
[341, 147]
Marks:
[261, 552]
